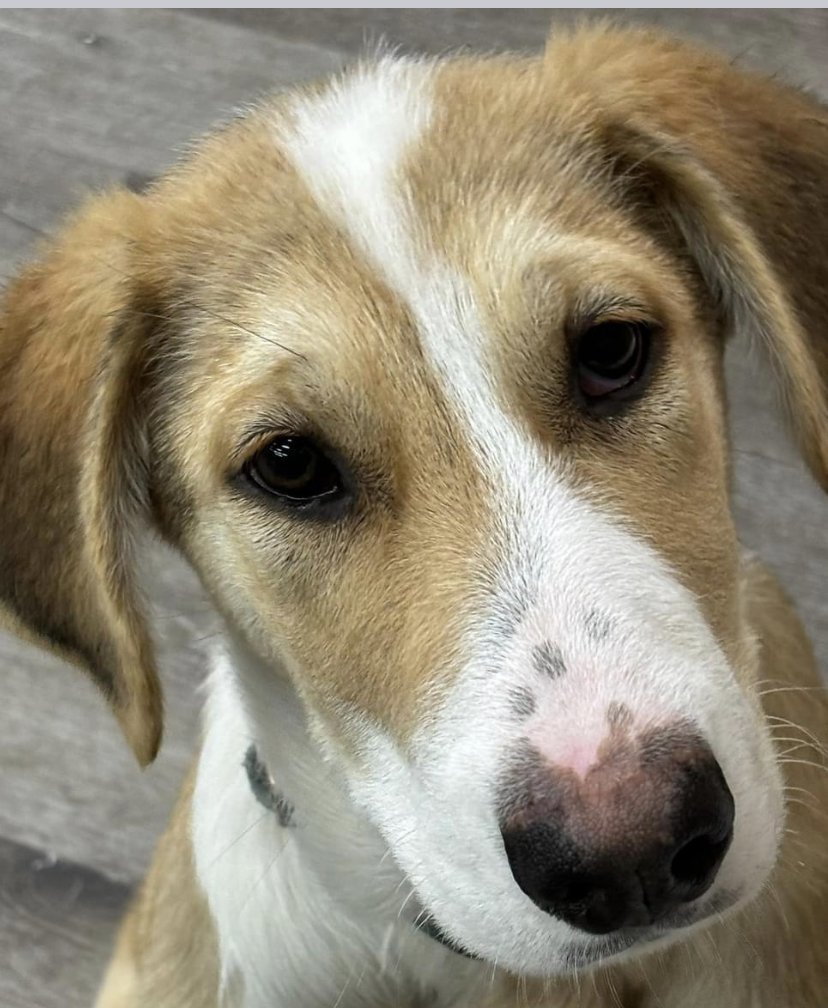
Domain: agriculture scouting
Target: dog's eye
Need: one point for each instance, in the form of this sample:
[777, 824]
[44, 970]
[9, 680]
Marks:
[295, 470]
[611, 357]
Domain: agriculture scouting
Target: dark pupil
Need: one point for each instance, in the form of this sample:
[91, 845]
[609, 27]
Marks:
[289, 464]
[610, 350]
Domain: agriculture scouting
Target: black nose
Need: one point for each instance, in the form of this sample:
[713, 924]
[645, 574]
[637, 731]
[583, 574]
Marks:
[627, 847]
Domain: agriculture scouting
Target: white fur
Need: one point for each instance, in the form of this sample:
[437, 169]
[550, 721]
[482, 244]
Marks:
[317, 913]
[349, 143]
[559, 558]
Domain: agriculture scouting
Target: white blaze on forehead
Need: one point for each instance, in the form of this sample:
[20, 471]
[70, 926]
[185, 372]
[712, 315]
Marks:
[350, 146]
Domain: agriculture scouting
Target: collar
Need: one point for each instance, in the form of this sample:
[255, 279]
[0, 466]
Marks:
[264, 791]
[264, 788]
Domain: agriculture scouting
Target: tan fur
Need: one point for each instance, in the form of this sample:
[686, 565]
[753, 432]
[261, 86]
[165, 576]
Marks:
[140, 354]
[182, 968]
[72, 467]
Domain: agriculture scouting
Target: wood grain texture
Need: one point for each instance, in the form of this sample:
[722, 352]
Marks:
[58, 918]
[92, 97]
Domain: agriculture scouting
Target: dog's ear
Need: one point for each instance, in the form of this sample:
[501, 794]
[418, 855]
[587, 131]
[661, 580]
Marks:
[737, 168]
[72, 460]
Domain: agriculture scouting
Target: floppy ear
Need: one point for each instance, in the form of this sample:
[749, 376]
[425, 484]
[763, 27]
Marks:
[72, 461]
[737, 167]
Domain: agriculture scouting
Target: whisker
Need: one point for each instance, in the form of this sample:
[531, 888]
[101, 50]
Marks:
[404, 904]
[199, 307]
[243, 328]
[792, 787]
[782, 722]
[794, 800]
[159, 317]
[801, 762]
[791, 689]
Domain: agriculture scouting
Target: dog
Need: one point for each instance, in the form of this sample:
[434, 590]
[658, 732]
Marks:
[421, 369]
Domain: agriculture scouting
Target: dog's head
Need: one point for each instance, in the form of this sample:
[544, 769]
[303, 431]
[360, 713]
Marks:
[422, 370]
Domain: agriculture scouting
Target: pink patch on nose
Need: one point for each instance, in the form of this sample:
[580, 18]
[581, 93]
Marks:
[577, 753]
[578, 756]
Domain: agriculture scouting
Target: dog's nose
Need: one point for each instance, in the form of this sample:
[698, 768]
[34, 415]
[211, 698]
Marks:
[637, 835]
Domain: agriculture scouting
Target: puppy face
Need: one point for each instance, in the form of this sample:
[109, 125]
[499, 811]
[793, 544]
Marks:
[421, 369]
[493, 574]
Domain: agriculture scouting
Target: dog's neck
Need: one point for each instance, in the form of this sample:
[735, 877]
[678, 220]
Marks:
[310, 907]
[264, 790]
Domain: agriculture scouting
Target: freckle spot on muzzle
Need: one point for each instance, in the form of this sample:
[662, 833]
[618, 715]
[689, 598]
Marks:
[523, 702]
[548, 660]
[505, 622]
[597, 625]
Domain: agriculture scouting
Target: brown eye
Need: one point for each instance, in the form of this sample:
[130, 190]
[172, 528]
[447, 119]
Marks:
[296, 470]
[611, 357]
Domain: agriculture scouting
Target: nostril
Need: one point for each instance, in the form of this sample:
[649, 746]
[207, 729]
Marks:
[694, 862]
[709, 809]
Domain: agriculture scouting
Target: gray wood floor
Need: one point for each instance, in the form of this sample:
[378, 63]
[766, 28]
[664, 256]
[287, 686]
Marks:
[91, 97]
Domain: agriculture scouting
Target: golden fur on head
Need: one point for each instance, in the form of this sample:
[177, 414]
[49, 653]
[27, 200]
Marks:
[163, 339]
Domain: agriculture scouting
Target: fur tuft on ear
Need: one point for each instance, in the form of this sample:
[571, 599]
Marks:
[737, 165]
[73, 463]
